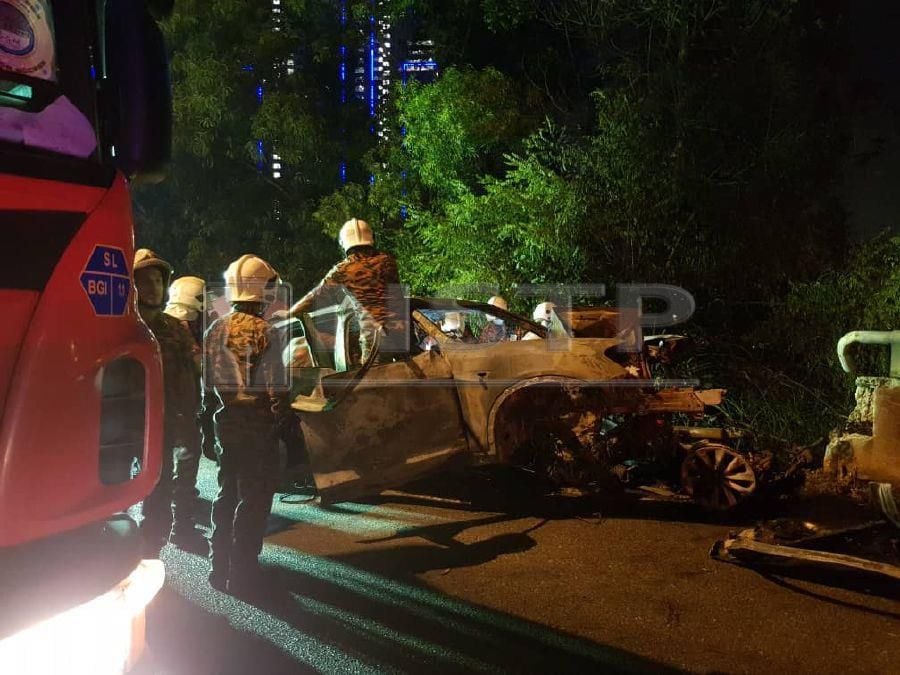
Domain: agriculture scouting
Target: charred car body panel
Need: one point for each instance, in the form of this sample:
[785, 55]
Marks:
[379, 426]
[399, 421]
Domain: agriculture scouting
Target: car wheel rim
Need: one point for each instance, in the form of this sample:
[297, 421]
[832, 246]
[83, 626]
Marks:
[716, 476]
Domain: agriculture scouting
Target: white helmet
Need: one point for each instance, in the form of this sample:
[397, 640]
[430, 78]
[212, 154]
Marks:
[356, 232]
[452, 321]
[543, 313]
[499, 301]
[251, 279]
[186, 298]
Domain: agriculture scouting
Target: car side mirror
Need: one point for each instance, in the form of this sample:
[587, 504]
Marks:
[136, 91]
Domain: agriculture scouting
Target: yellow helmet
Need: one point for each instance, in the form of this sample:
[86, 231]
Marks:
[251, 279]
[356, 232]
[499, 301]
[145, 257]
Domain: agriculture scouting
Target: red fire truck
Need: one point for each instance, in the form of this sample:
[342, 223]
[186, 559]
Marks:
[84, 108]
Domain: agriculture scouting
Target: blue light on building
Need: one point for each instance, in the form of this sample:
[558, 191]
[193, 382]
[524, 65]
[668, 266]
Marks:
[373, 93]
[260, 155]
[417, 66]
[342, 74]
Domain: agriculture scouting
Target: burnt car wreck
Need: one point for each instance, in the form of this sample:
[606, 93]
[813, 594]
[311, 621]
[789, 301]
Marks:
[571, 403]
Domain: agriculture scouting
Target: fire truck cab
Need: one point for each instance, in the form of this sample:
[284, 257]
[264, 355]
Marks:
[84, 109]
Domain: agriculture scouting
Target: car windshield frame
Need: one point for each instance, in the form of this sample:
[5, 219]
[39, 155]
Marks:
[423, 305]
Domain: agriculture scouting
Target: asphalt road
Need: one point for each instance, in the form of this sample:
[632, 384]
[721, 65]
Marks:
[511, 584]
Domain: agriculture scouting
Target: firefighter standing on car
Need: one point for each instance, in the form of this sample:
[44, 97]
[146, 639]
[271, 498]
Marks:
[371, 276]
[245, 374]
[168, 510]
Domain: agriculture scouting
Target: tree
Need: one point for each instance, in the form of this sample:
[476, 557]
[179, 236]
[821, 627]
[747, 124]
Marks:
[234, 107]
[667, 141]
[707, 158]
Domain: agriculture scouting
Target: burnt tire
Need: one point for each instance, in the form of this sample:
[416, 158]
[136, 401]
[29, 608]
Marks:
[551, 432]
[716, 476]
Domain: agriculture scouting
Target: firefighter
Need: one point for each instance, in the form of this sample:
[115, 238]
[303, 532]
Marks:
[372, 278]
[186, 302]
[543, 314]
[495, 329]
[246, 376]
[168, 510]
[186, 296]
[453, 325]
[498, 301]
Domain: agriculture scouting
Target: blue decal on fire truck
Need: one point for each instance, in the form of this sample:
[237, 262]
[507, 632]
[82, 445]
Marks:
[106, 281]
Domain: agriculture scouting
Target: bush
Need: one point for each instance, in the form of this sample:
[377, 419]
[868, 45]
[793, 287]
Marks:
[789, 381]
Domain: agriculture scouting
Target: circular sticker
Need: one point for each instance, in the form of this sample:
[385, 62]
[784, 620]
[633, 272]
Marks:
[16, 36]
[26, 39]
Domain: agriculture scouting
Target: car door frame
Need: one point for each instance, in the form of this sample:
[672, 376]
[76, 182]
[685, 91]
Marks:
[382, 425]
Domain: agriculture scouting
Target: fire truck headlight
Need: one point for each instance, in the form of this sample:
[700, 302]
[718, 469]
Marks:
[104, 636]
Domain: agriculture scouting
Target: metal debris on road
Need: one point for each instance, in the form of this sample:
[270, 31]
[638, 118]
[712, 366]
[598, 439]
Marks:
[750, 547]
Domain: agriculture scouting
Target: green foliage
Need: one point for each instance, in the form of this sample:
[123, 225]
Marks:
[284, 121]
[704, 162]
[804, 329]
[337, 208]
[520, 229]
[784, 379]
[458, 126]
[659, 141]
[504, 15]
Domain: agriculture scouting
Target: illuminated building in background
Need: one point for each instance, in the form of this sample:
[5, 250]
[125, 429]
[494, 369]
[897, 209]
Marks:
[382, 62]
[419, 63]
[387, 51]
[286, 68]
[272, 162]
[363, 73]
[374, 55]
